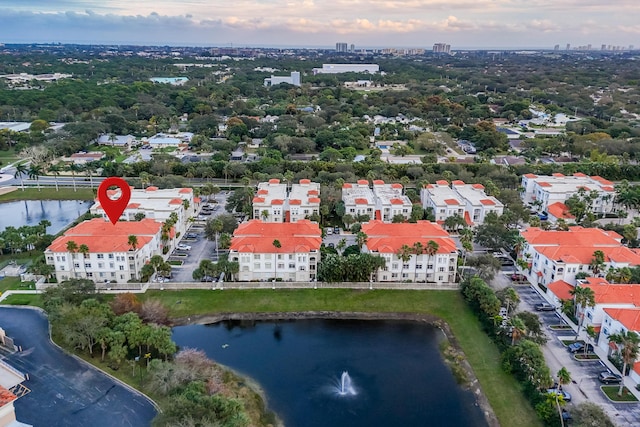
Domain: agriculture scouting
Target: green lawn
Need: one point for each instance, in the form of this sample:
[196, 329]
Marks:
[612, 393]
[28, 299]
[501, 389]
[8, 156]
[48, 194]
[14, 283]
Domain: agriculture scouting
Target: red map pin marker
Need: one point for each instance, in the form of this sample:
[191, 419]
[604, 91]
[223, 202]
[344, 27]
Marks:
[114, 208]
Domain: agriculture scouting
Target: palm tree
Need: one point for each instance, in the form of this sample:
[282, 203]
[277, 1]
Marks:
[74, 168]
[21, 170]
[564, 377]
[72, 247]
[582, 297]
[277, 245]
[629, 353]
[418, 249]
[518, 329]
[265, 215]
[431, 250]
[361, 239]
[84, 250]
[404, 254]
[597, 262]
[341, 245]
[132, 241]
[55, 171]
[34, 172]
[43, 224]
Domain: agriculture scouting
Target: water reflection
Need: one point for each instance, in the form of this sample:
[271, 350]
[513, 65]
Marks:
[30, 212]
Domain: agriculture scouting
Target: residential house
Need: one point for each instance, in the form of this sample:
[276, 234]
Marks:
[292, 79]
[466, 200]
[560, 255]
[541, 191]
[82, 158]
[11, 389]
[390, 201]
[388, 240]
[286, 251]
[122, 141]
[110, 256]
[358, 199]
[559, 210]
[157, 204]
[274, 203]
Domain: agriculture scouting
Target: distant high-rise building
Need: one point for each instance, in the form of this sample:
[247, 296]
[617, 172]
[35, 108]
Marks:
[588, 47]
[442, 48]
[352, 48]
[556, 47]
[603, 47]
[568, 46]
[630, 47]
[341, 47]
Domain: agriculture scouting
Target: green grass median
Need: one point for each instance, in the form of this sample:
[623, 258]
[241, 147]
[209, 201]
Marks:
[48, 194]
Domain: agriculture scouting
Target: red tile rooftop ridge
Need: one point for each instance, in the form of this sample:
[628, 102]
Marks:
[363, 182]
[378, 182]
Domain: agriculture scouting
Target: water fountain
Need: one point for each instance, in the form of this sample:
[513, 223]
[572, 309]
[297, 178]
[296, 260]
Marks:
[345, 385]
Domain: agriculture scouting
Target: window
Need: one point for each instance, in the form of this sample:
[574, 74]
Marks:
[405, 266]
[100, 256]
[439, 278]
[394, 275]
[111, 256]
[418, 266]
[291, 256]
[87, 265]
[101, 274]
[279, 256]
[292, 265]
[121, 267]
[429, 266]
[267, 265]
[256, 266]
[113, 274]
[76, 265]
[89, 274]
[441, 269]
[405, 275]
[394, 266]
[256, 256]
[111, 265]
[100, 265]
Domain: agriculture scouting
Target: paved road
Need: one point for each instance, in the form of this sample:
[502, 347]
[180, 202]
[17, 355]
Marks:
[585, 385]
[64, 390]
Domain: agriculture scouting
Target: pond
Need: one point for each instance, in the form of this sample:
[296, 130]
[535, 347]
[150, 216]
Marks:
[342, 372]
[60, 213]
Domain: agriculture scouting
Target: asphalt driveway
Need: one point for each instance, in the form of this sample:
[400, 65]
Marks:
[64, 390]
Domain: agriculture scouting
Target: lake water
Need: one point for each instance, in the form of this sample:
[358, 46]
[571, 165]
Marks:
[30, 212]
[397, 375]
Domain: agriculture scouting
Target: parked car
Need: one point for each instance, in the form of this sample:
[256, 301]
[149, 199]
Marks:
[191, 236]
[518, 277]
[208, 279]
[183, 247]
[331, 245]
[566, 416]
[607, 377]
[565, 395]
[336, 230]
[577, 347]
[506, 262]
[328, 231]
[544, 307]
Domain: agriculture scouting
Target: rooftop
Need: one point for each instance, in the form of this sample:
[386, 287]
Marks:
[389, 238]
[255, 236]
[629, 317]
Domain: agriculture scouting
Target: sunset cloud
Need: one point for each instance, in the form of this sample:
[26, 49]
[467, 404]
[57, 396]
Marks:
[462, 23]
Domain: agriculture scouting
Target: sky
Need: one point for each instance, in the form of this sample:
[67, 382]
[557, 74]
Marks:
[322, 23]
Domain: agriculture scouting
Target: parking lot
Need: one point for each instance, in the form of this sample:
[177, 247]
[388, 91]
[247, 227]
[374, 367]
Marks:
[585, 385]
[200, 247]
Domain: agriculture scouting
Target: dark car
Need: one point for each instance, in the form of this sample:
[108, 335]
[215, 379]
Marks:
[544, 307]
[607, 377]
[336, 230]
[518, 277]
[191, 236]
[578, 347]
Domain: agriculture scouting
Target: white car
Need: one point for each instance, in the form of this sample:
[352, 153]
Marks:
[183, 247]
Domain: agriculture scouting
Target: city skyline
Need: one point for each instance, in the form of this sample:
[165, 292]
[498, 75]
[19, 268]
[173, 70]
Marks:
[375, 23]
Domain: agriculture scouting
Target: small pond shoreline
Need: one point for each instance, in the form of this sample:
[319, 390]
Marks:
[473, 384]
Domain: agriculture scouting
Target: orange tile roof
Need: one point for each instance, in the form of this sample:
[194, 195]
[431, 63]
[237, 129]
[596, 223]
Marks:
[608, 188]
[428, 186]
[544, 184]
[361, 201]
[467, 218]
[606, 293]
[175, 201]
[396, 201]
[363, 182]
[396, 185]
[576, 236]
[133, 205]
[636, 367]
[451, 202]
[601, 180]
[442, 182]
[274, 181]
[487, 202]
[102, 237]
[457, 182]
[561, 289]
[185, 190]
[263, 191]
[314, 200]
[277, 202]
[347, 185]
[389, 238]
[152, 188]
[197, 199]
[378, 182]
[584, 187]
[313, 193]
[258, 200]
[558, 175]
[531, 175]
[629, 317]
[478, 186]
[6, 397]
[559, 210]
[305, 181]
[255, 236]
[579, 175]
[295, 202]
